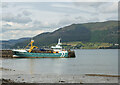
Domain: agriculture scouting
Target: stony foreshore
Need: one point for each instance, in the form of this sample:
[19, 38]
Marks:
[13, 76]
[40, 78]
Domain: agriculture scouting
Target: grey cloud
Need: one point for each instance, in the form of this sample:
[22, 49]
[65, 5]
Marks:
[36, 22]
[109, 7]
[4, 29]
[26, 13]
[40, 25]
[36, 26]
[4, 5]
[67, 15]
[16, 19]
[83, 19]
[83, 4]
[66, 21]
[93, 4]
[79, 17]
[7, 25]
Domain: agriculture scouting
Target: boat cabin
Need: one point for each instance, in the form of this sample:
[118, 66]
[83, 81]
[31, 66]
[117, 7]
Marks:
[57, 47]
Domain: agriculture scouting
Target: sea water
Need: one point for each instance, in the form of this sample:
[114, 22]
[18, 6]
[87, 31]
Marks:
[92, 61]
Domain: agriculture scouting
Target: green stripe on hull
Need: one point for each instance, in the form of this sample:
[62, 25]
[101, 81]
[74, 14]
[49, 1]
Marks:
[27, 54]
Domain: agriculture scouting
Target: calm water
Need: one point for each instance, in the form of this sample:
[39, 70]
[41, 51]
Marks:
[86, 61]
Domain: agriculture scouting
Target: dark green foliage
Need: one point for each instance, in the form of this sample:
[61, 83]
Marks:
[108, 36]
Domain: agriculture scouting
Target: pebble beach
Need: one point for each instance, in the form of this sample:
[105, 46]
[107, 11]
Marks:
[20, 77]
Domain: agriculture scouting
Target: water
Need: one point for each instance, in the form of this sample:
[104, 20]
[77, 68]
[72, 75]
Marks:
[98, 61]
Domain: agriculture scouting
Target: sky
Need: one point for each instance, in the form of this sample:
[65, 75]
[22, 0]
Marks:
[28, 19]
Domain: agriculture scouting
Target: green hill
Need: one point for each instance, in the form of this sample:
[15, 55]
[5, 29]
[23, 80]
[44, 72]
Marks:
[106, 32]
[7, 44]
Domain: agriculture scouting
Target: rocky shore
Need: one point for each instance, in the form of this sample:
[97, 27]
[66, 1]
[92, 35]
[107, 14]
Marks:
[13, 76]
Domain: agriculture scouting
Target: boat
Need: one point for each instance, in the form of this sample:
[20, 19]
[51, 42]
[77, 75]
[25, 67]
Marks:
[33, 52]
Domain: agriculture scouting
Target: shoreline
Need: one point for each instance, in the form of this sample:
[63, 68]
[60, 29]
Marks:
[102, 75]
[60, 79]
[13, 76]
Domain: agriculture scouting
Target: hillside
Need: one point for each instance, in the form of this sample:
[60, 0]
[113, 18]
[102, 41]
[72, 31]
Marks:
[106, 32]
[6, 44]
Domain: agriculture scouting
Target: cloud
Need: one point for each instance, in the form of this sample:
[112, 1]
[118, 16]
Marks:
[89, 7]
[64, 22]
[4, 5]
[26, 13]
[109, 7]
[16, 19]
[7, 25]
[42, 25]
[20, 33]
[35, 25]
[60, 0]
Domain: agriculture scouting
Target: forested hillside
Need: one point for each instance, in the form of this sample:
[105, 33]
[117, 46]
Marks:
[106, 32]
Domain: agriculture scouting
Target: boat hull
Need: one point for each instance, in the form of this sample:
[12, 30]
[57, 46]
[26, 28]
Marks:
[39, 55]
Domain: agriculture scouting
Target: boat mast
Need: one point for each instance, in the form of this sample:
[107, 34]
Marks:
[59, 42]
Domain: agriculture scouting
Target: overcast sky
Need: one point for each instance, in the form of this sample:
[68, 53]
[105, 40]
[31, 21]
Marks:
[27, 19]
